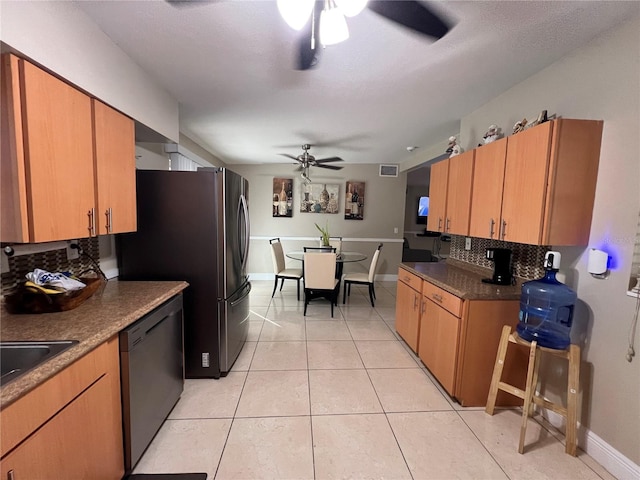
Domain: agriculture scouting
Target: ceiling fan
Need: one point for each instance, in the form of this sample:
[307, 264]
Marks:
[306, 160]
[323, 21]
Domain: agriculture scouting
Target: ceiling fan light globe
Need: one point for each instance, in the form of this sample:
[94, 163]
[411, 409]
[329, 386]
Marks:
[295, 12]
[333, 27]
[351, 8]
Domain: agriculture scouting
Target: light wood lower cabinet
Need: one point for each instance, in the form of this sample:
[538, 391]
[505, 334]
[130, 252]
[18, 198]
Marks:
[408, 305]
[458, 344]
[46, 435]
[457, 339]
[439, 331]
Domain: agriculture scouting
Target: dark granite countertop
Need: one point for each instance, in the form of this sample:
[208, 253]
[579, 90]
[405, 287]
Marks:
[102, 316]
[463, 280]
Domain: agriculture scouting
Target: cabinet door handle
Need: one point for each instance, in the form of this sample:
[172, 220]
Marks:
[424, 306]
[109, 214]
[439, 223]
[415, 301]
[504, 229]
[448, 224]
[436, 297]
[92, 222]
[10, 475]
[491, 225]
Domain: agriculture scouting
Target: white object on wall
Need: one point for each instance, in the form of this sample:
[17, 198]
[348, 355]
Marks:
[597, 263]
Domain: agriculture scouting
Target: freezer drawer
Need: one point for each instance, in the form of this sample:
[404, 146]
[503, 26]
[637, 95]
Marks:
[234, 327]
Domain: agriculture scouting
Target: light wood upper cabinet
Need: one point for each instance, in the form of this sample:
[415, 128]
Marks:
[450, 194]
[549, 183]
[115, 166]
[538, 186]
[49, 165]
[525, 180]
[66, 160]
[486, 198]
[459, 193]
[439, 177]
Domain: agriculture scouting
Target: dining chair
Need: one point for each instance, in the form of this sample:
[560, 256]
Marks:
[320, 278]
[363, 278]
[279, 268]
[325, 249]
[335, 242]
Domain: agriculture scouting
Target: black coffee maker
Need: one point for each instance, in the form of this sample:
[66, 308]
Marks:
[501, 258]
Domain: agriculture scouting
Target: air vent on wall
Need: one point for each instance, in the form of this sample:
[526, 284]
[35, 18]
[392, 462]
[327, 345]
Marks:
[388, 170]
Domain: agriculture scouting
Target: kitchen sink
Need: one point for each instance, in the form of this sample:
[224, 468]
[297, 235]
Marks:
[17, 358]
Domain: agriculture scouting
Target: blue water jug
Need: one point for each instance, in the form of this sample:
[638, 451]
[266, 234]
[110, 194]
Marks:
[546, 308]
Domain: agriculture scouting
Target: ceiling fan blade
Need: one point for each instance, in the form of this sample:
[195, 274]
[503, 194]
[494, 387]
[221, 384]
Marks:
[330, 167]
[188, 3]
[289, 156]
[330, 159]
[309, 40]
[413, 15]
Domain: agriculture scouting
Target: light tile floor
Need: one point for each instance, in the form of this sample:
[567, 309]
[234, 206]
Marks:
[317, 397]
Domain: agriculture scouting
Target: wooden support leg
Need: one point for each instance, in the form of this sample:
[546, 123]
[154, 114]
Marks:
[528, 394]
[535, 383]
[572, 400]
[497, 369]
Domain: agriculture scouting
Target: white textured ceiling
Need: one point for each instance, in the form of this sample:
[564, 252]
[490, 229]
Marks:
[230, 66]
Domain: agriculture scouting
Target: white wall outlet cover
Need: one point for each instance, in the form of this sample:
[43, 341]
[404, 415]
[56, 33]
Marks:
[467, 243]
[72, 253]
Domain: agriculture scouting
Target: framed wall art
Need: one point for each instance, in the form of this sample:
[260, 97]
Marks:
[319, 198]
[354, 201]
[282, 197]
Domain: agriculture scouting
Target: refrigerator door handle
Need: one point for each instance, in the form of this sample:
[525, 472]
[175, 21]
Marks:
[244, 225]
[244, 295]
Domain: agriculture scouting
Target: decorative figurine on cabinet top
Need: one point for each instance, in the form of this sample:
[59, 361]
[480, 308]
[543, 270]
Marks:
[453, 148]
[492, 135]
[519, 126]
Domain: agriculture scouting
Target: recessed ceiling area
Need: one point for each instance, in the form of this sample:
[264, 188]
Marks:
[230, 65]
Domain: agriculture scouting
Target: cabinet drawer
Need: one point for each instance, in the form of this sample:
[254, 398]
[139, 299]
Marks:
[410, 279]
[445, 299]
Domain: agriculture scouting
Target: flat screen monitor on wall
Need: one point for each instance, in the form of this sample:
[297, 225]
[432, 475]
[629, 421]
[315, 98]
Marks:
[423, 210]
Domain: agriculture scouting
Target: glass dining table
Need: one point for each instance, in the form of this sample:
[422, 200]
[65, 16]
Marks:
[341, 259]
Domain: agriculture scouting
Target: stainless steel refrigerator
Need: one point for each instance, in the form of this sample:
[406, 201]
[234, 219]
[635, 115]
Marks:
[194, 226]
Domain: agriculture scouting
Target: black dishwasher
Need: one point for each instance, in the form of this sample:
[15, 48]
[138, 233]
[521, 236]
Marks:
[152, 375]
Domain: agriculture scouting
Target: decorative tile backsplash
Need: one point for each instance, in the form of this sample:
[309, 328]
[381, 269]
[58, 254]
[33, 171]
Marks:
[527, 259]
[52, 261]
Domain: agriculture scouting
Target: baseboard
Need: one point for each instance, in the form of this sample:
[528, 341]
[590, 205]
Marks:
[386, 277]
[611, 459]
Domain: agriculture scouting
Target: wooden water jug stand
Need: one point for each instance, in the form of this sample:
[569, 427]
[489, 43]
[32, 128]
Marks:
[570, 412]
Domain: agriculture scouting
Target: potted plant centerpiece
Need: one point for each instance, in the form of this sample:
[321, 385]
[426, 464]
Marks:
[325, 234]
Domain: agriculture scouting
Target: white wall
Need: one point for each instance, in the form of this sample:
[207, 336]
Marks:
[599, 81]
[61, 38]
[383, 211]
[151, 156]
